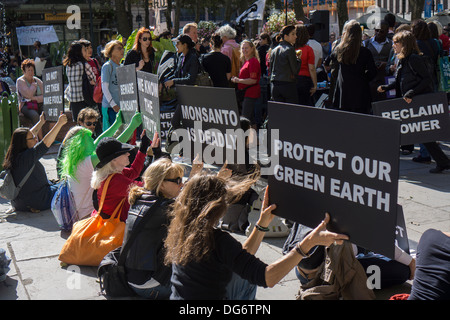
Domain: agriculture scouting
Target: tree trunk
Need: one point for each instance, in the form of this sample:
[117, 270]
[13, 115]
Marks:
[177, 15]
[416, 8]
[342, 13]
[123, 25]
[228, 12]
[168, 15]
[147, 14]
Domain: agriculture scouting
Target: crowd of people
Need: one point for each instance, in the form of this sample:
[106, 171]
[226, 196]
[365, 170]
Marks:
[179, 253]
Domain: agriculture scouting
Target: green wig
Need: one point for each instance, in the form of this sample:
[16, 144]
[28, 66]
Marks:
[79, 146]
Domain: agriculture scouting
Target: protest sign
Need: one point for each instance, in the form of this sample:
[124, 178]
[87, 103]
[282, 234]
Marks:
[338, 162]
[425, 119]
[53, 83]
[27, 36]
[128, 93]
[401, 236]
[147, 85]
[166, 114]
[211, 126]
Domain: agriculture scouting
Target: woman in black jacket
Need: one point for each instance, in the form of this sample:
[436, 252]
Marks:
[142, 54]
[284, 67]
[146, 273]
[412, 78]
[187, 63]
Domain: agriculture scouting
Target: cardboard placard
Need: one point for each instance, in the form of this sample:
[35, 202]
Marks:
[128, 93]
[53, 82]
[210, 120]
[338, 162]
[425, 119]
[147, 84]
[401, 235]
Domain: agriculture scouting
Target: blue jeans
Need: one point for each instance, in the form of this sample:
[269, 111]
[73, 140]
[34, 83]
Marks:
[423, 151]
[156, 293]
[240, 289]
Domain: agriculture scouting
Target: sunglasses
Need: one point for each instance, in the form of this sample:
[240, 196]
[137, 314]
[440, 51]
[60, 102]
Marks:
[146, 39]
[178, 180]
[89, 123]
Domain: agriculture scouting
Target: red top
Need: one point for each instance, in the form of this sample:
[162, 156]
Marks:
[307, 59]
[251, 69]
[93, 64]
[119, 185]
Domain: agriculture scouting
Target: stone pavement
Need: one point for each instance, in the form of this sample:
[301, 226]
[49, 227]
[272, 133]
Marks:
[33, 241]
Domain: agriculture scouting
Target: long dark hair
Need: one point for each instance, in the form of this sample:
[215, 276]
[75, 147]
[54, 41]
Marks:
[420, 30]
[137, 44]
[18, 144]
[347, 51]
[74, 54]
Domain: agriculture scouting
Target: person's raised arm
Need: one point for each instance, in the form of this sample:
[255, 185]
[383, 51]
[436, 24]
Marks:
[319, 236]
[128, 132]
[38, 126]
[51, 135]
[112, 129]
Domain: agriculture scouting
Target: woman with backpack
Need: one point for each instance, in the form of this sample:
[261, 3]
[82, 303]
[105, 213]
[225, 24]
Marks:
[76, 65]
[23, 155]
[412, 78]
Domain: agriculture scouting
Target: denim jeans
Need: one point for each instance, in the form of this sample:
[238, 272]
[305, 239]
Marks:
[240, 289]
[423, 151]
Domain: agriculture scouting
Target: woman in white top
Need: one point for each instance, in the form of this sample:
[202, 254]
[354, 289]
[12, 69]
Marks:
[79, 160]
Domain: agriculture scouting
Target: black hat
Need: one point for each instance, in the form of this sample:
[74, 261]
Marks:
[109, 149]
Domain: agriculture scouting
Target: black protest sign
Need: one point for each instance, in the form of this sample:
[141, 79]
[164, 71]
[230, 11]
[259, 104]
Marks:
[401, 236]
[211, 126]
[147, 85]
[338, 162]
[128, 93]
[53, 82]
[166, 114]
[425, 119]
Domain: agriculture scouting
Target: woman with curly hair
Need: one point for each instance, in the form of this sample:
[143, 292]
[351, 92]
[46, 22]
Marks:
[207, 262]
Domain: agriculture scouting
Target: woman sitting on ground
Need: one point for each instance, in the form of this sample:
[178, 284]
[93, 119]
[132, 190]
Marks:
[204, 258]
[23, 153]
[146, 272]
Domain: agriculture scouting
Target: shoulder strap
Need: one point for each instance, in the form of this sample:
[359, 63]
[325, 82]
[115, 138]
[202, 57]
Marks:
[135, 232]
[25, 178]
[105, 188]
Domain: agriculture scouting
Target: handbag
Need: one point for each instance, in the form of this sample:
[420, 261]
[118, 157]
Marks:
[92, 238]
[240, 94]
[203, 79]
[32, 105]
[111, 272]
[63, 206]
[98, 93]
[88, 88]
[8, 188]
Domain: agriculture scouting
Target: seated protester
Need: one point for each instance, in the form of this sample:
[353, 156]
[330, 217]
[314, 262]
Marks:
[146, 273]
[114, 159]
[432, 277]
[23, 153]
[204, 258]
[79, 160]
[30, 93]
[393, 272]
[87, 118]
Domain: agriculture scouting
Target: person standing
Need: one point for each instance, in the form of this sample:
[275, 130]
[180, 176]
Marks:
[76, 65]
[110, 104]
[413, 78]
[217, 64]
[284, 66]
[306, 77]
[142, 54]
[248, 79]
[356, 69]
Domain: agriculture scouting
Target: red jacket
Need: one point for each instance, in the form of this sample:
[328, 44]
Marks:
[119, 186]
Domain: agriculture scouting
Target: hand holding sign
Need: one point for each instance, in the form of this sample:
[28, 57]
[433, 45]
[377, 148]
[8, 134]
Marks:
[197, 166]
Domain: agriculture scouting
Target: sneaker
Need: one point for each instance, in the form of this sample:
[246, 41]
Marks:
[439, 169]
[422, 159]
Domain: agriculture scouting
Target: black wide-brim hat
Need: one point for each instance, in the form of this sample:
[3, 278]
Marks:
[110, 148]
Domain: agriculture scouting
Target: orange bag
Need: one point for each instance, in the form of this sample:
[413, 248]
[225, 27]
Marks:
[94, 237]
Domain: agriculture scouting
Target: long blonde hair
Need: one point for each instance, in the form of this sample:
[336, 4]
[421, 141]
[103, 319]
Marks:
[347, 51]
[252, 45]
[154, 176]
